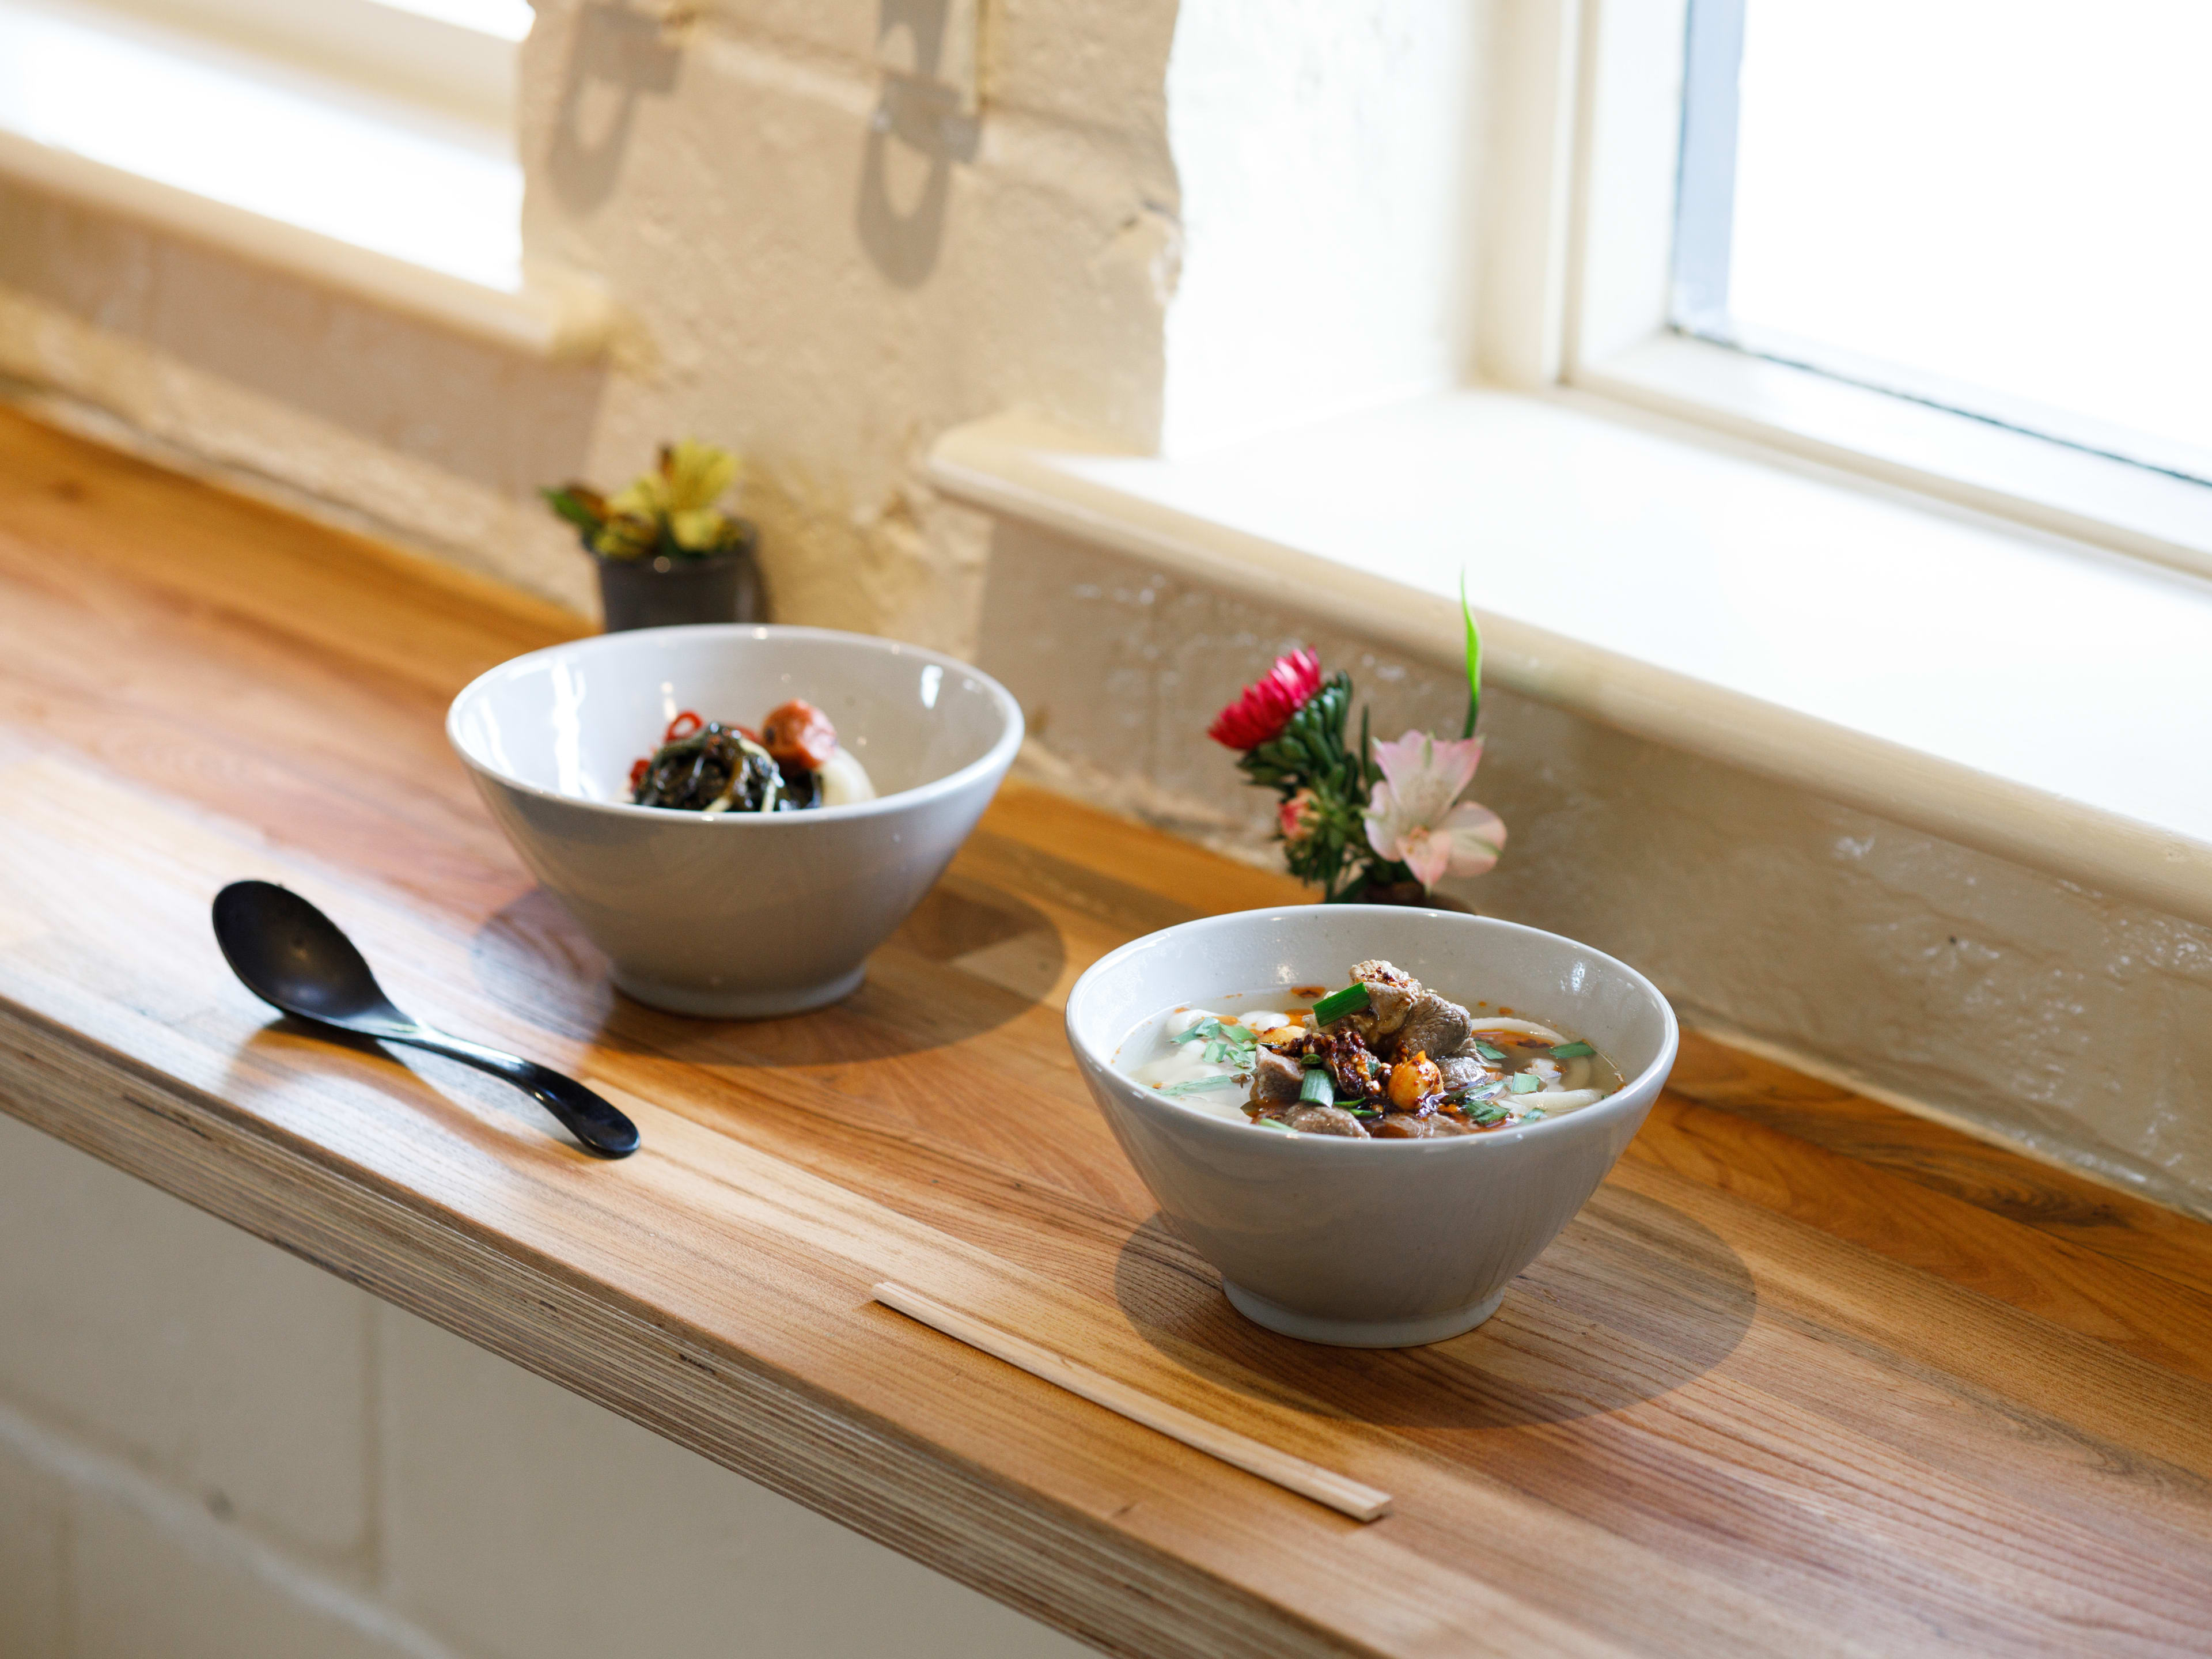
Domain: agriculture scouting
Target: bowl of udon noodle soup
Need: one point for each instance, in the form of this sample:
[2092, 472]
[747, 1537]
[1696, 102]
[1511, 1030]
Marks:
[1370, 1118]
[735, 814]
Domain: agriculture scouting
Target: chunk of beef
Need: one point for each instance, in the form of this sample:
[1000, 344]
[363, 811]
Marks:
[1326, 1120]
[1391, 993]
[1276, 1077]
[1410, 1126]
[1436, 1028]
[1464, 1071]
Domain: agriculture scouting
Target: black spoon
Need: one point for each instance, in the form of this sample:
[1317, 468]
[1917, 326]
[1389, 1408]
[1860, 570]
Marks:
[294, 957]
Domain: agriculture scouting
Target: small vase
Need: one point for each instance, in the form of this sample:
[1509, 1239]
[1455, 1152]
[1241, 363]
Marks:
[1408, 893]
[662, 592]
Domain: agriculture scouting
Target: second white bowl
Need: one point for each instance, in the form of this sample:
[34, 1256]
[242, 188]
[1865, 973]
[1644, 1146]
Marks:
[741, 914]
[1369, 1243]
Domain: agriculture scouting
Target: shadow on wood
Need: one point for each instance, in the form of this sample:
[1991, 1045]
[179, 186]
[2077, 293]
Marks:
[1634, 1299]
[1004, 953]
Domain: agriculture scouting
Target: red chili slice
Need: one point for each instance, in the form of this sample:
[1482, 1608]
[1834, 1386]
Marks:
[675, 734]
[799, 732]
[637, 772]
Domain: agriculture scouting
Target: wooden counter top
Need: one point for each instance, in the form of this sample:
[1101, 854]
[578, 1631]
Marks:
[1808, 1376]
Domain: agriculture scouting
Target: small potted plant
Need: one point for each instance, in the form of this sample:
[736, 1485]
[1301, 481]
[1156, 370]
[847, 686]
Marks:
[1377, 822]
[666, 552]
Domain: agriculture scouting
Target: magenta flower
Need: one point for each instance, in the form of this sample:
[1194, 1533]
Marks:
[1415, 814]
[1265, 707]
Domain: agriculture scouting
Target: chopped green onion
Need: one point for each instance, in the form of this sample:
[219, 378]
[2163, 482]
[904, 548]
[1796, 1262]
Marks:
[1208, 1027]
[1474, 657]
[1337, 1004]
[1534, 1115]
[1571, 1050]
[1192, 1085]
[1217, 1051]
[1364, 1111]
[1486, 1051]
[1272, 1123]
[1524, 1083]
[1489, 1112]
[1318, 1090]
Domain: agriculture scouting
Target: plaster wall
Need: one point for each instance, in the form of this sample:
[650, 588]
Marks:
[818, 264]
[2023, 1007]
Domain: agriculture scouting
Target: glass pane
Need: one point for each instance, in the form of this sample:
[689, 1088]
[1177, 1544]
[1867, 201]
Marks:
[2001, 206]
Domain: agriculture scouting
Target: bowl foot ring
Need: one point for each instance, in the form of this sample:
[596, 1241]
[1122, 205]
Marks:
[1360, 1333]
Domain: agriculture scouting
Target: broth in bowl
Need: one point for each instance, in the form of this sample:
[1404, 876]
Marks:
[1384, 1058]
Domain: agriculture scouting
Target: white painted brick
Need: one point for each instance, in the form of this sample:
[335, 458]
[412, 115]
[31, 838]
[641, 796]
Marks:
[523, 1521]
[34, 1519]
[183, 1345]
[145, 1587]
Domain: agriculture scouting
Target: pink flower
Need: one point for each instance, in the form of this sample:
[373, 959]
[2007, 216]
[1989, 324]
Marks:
[1412, 815]
[1268, 702]
[1298, 816]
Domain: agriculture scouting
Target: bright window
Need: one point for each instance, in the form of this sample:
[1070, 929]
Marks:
[1998, 207]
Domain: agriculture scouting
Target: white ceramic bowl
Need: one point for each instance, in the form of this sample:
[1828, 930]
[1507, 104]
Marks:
[1369, 1243]
[739, 914]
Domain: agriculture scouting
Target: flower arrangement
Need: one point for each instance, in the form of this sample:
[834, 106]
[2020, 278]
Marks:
[669, 512]
[1383, 821]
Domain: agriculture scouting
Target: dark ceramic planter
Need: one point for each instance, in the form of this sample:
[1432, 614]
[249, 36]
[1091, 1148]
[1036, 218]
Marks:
[664, 592]
[1406, 893]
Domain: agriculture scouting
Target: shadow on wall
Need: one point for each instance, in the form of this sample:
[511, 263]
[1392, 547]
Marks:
[619, 57]
[923, 118]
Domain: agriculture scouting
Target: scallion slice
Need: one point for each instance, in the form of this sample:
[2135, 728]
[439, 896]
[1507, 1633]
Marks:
[1571, 1050]
[1317, 1090]
[1488, 1113]
[1273, 1123]
[1524, 1083]
[1194, 1086]
[1534, 1115]
[1337, 1004]
[1487, 1051]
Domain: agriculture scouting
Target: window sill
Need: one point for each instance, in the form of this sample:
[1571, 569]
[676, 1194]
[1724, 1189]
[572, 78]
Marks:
[1976, 464]
[411, 211]
[2032, 698]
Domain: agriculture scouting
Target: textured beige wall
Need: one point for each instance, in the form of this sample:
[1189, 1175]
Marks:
[2021, 1005]
[816, 265]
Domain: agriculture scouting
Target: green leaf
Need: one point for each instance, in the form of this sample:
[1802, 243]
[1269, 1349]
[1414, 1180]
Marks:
[1524, 1083]
[565, 504]
[1571, 1050]
[1197, 1085]
[1473, 659]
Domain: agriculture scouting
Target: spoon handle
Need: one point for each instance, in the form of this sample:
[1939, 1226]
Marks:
[597, 1124]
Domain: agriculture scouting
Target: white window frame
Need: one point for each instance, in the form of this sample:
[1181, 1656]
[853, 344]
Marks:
[1576, 299]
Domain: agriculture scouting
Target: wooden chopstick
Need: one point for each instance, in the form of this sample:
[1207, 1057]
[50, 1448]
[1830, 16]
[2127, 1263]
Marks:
[1339, 1493]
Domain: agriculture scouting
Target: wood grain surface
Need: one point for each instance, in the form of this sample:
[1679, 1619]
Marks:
[1808, 1376]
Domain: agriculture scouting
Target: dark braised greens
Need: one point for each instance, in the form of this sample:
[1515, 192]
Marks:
[716, 768]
